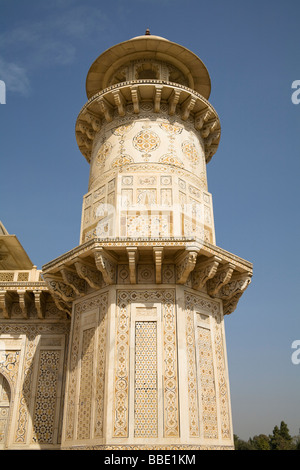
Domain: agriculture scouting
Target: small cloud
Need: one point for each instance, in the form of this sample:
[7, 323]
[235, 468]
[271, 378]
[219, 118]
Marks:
[14, 77]
[50, 41]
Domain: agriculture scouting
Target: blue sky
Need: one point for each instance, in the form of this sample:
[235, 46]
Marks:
[252, 52]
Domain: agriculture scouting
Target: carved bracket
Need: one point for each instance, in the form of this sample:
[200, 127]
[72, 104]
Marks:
[237, 285]
[72, 279]
[120, 102]
[93, 120]
[185, 265]
[132, 261]
[24, 302]
[201, 118]
[222, 277]
[89, 273]
[106, 265]
[187, 107]
[106, 109]
[157, 97]
[40, 303]
[59, 289]
[173, 101]
[135, 96]
[209, 128]
[158, 253]
[230, 305]
[6, 303]
[205, 271]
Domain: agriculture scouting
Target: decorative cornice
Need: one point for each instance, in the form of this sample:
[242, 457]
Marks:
[187, 102]
[197, 264]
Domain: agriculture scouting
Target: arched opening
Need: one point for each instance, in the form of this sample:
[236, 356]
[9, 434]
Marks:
[147, 71]
[5, 399]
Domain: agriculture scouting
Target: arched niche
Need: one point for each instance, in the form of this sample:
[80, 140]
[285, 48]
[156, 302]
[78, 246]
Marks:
[5, 402]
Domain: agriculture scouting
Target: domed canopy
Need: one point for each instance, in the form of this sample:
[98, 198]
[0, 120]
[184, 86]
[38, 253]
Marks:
[141, 48]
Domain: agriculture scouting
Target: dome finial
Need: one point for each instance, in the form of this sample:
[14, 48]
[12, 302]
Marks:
[147, 33]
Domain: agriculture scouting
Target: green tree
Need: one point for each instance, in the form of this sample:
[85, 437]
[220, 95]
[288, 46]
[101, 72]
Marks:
[239, 444]
[281, 438]
[260, 442]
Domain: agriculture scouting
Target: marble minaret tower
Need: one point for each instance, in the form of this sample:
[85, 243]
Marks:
[147, 288]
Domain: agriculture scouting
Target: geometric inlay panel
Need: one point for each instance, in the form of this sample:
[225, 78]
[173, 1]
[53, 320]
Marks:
[146, 393]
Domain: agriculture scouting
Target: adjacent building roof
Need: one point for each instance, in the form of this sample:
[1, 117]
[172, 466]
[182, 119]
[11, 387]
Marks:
[12, 254]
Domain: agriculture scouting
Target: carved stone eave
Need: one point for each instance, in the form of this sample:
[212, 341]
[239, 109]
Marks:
[197, 263]
[190, 104]
[25, 294]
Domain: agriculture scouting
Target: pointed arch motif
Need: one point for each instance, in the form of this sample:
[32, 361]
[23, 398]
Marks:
[5, 402]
